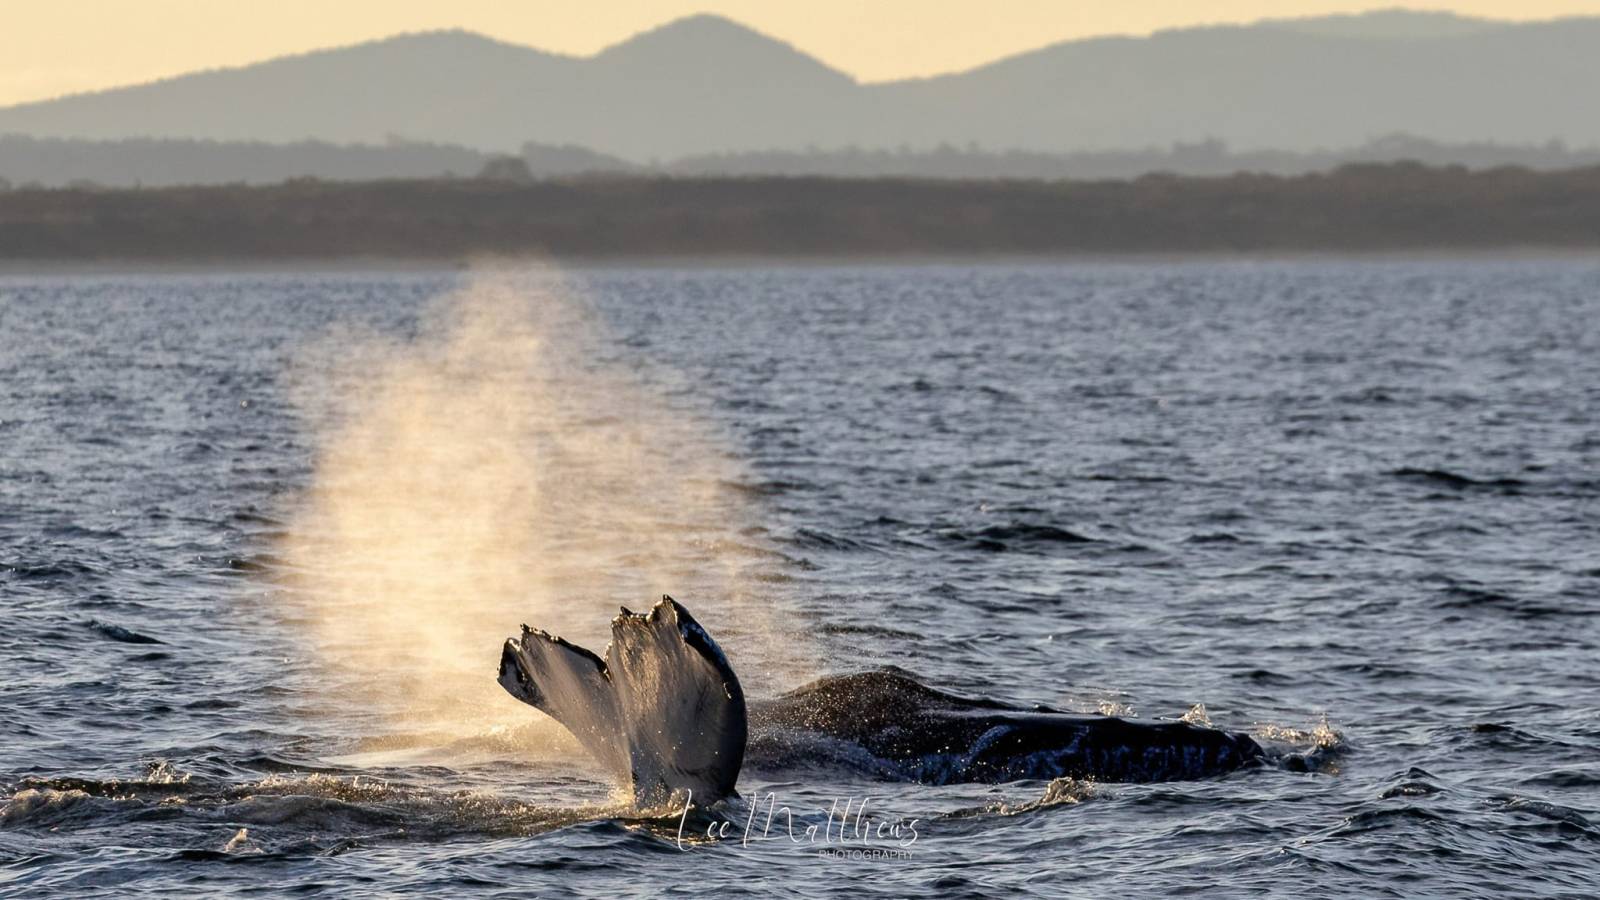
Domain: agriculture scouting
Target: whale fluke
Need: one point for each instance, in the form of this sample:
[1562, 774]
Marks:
[663, 712]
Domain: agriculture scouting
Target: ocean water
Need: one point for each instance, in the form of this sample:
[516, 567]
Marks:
[1343, 506]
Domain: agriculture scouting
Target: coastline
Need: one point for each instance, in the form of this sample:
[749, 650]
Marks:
[18, 268]
[1399, 210]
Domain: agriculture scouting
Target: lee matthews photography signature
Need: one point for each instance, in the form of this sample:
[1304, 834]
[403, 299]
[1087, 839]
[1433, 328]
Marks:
[848, 826]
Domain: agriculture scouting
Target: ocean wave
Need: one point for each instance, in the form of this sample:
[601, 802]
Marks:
[118, 633]
[1455, 480]
[288, 806]
[1015, 537]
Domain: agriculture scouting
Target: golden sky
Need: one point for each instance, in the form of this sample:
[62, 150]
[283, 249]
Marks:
[54, 47]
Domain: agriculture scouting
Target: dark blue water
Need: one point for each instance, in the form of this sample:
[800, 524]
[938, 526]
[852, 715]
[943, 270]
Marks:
[1338, 504]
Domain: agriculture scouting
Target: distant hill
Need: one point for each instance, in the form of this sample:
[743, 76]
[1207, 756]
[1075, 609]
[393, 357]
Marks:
[706, 85]
[1204, 158]
[148, 162]
[1391, 24]
[166, 162]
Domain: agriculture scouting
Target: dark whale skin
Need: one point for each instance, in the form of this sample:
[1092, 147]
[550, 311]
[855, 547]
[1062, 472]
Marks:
[664, 713]
[929, 736]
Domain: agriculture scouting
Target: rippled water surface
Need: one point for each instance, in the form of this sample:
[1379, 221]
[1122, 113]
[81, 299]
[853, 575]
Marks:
[1338, 504]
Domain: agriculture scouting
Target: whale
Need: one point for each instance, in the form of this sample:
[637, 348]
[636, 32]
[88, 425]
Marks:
[664, 714]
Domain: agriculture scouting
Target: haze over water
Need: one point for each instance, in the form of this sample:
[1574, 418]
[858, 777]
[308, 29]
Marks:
[1346, 503]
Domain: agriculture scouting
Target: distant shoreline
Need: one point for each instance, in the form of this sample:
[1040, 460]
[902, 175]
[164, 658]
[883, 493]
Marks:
[1403, 209]
[47, 268]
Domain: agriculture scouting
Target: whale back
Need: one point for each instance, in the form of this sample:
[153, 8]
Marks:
[917, 733]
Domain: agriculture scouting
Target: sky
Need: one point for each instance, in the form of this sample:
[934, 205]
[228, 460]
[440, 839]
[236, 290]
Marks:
[53, 47]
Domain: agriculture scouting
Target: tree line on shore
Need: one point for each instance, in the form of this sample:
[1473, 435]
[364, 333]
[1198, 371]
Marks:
[1355, 208]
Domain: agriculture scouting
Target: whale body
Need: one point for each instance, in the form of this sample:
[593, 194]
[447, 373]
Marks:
[664, 713]
[917, 733]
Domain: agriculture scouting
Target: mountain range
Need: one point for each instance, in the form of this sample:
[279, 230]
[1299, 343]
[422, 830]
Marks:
[707, 85]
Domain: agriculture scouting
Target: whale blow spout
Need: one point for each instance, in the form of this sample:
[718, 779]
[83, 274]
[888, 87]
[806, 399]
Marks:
[663, 712]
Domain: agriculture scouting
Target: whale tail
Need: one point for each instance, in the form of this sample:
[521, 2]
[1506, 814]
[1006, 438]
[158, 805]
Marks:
[663, 712]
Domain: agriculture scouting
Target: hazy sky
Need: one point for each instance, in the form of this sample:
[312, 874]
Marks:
[53, 47]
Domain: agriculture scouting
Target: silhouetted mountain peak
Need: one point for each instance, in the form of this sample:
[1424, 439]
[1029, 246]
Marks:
[714, 41]
[435, 37]
[703, 29]
[452, 42]
[1393, 24]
